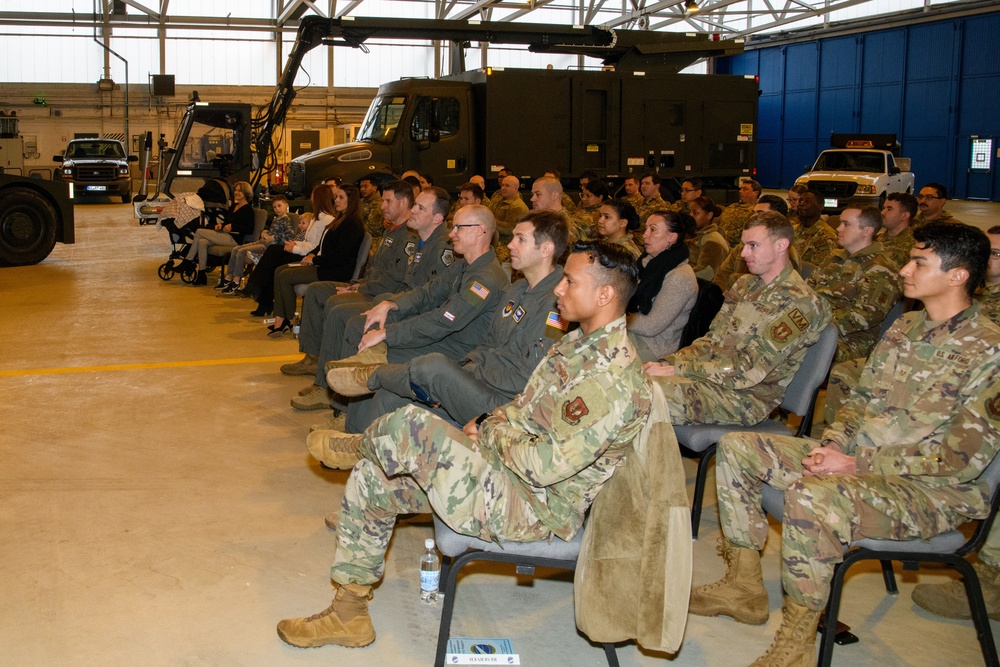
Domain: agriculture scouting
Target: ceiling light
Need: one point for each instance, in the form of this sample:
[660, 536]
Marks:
[691, 7]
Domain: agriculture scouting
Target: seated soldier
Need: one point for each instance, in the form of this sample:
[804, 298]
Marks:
[738, 371]
[897, 226]
[735, 216]
[525, 472]
[900, 462]
[488, 376]
[814, 238]
[858, 281]
[733, 266]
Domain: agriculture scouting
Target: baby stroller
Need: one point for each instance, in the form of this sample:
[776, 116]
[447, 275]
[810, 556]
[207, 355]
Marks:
[181, 217]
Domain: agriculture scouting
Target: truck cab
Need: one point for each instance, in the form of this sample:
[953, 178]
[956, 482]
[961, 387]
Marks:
[417, 124]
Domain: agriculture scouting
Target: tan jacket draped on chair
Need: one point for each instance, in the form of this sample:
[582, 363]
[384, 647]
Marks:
[633, 577]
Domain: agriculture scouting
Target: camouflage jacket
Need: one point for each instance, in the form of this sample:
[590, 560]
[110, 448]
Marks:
[647, 207]
[388, 267]
[927, 407]
[561, 438]
[897, 248]
[523, 330]
[757, 340]
[944, 217]
[732, 220]
[629, 243]
[583, 223]
[636, 200]
[457, 305]
[371, 213]
[708, 250]
[507, 212]
[861, 289]
[989, 302]
[814, 244]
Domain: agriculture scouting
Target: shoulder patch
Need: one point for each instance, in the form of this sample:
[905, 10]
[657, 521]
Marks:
[798, 319]
[575, 410]
[555, 326]
[448, 257]
[482, 291]
[993, 407]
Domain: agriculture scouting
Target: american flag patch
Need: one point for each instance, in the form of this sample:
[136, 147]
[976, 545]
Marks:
[448, 316]
[480, 290]
[553, 320]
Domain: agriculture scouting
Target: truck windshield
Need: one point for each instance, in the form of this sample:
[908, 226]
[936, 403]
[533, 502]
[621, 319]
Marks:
[850, 161]
[382, 119]
[96, 149]
[214, 139]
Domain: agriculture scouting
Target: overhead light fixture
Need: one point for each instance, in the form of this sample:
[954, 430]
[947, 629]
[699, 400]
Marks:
[691, 7]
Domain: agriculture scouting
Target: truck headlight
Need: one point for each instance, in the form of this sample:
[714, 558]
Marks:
[866, 190]
[68, 172]
[123, 171]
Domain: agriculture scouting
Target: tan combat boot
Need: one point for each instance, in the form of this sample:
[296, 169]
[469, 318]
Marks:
[739, 594]
[335, 449]
[338, 423]
[949, 599]
[307, 365]
[345, 622]
[795, 643]
[351, 381]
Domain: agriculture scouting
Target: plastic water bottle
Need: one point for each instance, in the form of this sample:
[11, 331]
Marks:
[430, 573]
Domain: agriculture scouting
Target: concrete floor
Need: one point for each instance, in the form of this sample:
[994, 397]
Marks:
[158, 507]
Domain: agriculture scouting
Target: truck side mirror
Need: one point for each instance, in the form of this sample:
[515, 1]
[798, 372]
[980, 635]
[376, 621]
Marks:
[57, 158]
[435, 135]
[133, 158]
[893, 171]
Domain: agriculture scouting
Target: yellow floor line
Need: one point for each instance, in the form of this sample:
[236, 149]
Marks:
[138, 367]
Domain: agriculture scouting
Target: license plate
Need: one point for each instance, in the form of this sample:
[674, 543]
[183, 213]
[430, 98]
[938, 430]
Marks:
[97, 188]
[829, 203]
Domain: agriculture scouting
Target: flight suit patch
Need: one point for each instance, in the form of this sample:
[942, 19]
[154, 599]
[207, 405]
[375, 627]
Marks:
[574, 411]
[508, 309]
[555, 326]
[448, 316]
[409, 248]
[448, 257]
[387, 241]
[482, 291]
[518, 314]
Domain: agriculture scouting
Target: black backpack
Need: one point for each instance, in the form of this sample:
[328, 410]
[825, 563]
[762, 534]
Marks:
[706, 307]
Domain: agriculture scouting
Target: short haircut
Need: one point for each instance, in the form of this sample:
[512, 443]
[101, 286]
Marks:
[942, 191]
[754, 185]
[549, 226]
[815, 193]
[959, 246]
[906, 201]
[590, 175]
[550, 184]
[633, 177]
[442, 200]
[555, 172]
[275, 198]
[708, 205]
[652, 175]
[476, 190]
[777, 225]
[480, 216]
[868, 216]
[615, 266]
[598, 188]
[413, 181]
[678, 222]
[400, 190]
[799, 188]
[775, 202]
[623, 207]
[696, 183]
[370, 179]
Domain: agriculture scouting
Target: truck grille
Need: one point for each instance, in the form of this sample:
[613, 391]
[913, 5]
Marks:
[839, 189]
[297, 177]
[96, 173]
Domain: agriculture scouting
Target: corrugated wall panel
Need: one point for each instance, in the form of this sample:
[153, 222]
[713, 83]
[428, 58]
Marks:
[934, 85]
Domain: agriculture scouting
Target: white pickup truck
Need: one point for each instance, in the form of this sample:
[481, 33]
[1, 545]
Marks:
[857, 174]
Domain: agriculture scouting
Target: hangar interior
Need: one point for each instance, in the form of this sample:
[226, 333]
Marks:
[157, 504]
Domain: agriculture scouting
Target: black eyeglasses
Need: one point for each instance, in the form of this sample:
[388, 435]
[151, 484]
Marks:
[466, 225]
[929, 197]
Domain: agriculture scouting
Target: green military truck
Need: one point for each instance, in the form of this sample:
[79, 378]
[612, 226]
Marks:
[34, 216]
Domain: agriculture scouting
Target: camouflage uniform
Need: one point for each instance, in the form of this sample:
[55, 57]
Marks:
[637, 200]
[945, 216]
[861, 289]
[568, 204]
[424, 261]
[536, 468]
[371, 212]
[583, 223]
[507, 212]
[922, 425]
[628, 242]
[732, 268]
[734, 217]
[897, 247]
[449, 314]
[680, 206]
[648, 206]
[386, 273]
[708, 249]
[738, 371]
[989, 301]
[488, 376]
[814, 244]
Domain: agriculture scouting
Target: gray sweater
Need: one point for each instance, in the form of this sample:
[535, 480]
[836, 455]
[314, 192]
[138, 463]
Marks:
[659, 333]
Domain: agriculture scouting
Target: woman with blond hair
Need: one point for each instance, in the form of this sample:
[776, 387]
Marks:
[236, 223]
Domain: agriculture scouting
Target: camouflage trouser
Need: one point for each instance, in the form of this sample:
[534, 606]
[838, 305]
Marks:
[693, 402]
[416, 462]
[844, 376]
[822, 515]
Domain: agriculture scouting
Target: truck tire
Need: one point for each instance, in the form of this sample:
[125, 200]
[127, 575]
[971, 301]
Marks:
[27, 226]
